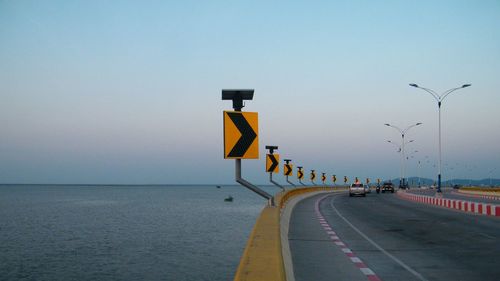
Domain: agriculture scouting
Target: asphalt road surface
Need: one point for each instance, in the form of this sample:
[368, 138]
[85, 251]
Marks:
[394, 238]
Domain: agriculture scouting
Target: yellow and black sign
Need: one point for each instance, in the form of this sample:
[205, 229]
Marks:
[313, 175]
[367, 180]
[288, 169]
[241, 140]
[323, 177]
[272, 163]
[345, 179]
[334, 178]
[300, 174]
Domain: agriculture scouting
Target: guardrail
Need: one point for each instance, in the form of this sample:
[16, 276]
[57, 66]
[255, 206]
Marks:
[262, 259]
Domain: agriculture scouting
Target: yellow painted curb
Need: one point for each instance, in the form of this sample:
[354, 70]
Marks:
[262, 259]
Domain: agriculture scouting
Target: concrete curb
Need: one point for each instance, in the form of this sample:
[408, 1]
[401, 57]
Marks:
[461, 205]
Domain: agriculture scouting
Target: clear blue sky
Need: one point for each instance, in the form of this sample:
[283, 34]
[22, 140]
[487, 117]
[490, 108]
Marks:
[130, 91]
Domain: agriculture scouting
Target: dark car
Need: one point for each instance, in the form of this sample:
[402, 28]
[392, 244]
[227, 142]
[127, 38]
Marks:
[387, 186]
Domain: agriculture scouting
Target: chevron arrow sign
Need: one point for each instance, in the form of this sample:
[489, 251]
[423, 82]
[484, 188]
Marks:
[241, 139]
[272, 163]
[300, 174]
[313, 175]
[288, 169]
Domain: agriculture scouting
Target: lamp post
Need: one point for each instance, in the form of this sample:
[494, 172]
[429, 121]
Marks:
[410, 156]
[403, 132]
[402, 157]
[439, 99]
[491, 172]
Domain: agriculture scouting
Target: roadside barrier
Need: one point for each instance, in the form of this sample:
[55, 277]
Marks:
[262, 259]
[477, 195]
[481, 189]
[486, 193]
[462, 205]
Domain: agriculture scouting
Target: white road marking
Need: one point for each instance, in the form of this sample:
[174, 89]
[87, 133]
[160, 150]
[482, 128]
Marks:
[367, 271]
[346, 250]
[355, 260]
[398, 261]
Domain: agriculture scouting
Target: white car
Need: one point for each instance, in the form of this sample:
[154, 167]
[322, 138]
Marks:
[357, 189]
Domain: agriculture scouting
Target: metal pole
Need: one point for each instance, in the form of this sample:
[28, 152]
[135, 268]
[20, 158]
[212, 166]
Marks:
[419, 175]
[275, 183]
[404, 160]
[439, 169]
[248, 185]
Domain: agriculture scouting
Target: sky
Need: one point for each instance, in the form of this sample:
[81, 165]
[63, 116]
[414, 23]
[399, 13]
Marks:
[129, 92]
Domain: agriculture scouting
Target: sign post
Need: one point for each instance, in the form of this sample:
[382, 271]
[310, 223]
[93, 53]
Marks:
[272, 164]
[300, 175]
[288, 170]
[313, 176]
[323, 178]
[241, 136]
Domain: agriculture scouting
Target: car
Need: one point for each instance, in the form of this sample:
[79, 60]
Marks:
[367, 189]
[357, 189]
[387, 186]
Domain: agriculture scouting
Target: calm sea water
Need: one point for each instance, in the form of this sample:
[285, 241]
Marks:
[124, 232]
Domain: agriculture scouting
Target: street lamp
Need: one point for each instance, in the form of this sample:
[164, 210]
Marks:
[403, 132]
[402, 156]
[439, 99]
[491, 172]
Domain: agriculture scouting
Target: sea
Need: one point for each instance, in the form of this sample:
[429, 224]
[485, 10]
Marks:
[93, 232]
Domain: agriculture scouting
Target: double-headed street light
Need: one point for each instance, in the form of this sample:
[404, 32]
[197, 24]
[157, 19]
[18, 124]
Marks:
[399, 146]
[439, 99]
[399, 151]
[491, 172]
[403, 132]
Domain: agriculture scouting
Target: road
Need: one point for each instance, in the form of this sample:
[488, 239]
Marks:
[395, 239]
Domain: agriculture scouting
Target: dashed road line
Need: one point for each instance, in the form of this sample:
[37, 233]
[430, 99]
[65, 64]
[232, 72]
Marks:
[368, 271]
[370, 275]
